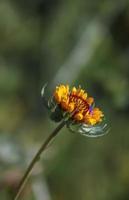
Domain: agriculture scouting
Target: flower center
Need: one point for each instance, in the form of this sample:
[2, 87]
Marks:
[81, 105]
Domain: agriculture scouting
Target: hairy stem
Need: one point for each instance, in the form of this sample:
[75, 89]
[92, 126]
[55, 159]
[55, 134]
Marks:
[36, 158]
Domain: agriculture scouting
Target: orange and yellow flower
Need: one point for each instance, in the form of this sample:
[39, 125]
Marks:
[77, 102]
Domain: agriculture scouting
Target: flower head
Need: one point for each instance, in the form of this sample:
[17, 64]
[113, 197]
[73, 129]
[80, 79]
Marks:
[77, 102]
[78, 108]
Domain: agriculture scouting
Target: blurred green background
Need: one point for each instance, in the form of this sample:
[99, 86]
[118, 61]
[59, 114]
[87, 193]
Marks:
[75, 42]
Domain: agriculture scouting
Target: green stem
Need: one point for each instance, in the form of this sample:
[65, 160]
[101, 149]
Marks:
[36, 158]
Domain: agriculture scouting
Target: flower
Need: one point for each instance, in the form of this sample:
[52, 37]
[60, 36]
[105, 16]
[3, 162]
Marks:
[78, 102]
[77, 108]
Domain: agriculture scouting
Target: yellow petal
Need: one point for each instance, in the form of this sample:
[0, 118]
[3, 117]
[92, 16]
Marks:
[90, 100]
[57, 96]
[64, 105]
[71, 107]
[74, 90]
[89, 120]
[78, 116]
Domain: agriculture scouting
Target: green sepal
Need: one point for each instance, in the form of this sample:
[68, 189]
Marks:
[57, 114]
[45, 102]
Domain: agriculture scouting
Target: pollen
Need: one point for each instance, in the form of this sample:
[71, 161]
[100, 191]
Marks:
[77, 102]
